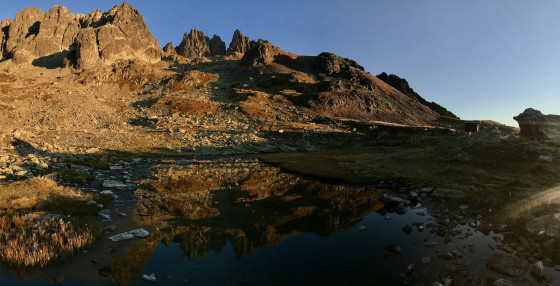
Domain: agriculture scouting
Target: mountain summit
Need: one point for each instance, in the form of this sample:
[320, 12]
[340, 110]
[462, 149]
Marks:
[83, 40]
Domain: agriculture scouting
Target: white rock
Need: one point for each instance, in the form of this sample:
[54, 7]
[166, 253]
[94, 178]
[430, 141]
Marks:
[135, 233]
[113, 184]
[151, 277]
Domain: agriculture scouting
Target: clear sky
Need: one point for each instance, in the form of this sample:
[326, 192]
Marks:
[480, 59]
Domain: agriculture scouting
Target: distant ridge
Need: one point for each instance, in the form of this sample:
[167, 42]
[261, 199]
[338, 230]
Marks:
[402, 85]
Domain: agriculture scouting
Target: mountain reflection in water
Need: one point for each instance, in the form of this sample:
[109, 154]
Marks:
[202, 205]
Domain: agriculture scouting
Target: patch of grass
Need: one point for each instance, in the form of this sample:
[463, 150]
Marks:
[73, 176]
[39, 239]
[497, 175]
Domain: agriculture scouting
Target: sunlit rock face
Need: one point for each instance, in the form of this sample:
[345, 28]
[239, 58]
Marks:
[536, 125]
[48, 39]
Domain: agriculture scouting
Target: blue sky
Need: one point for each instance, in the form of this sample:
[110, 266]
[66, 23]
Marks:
[480, 59]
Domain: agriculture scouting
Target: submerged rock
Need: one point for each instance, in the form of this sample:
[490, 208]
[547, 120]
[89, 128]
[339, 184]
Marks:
[135, 233]
[507, 264]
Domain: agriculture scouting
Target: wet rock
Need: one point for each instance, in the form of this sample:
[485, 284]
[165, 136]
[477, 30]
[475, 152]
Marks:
[90, 202]
[548, 225]
[407, 229]
[441, 193]
[394, 248]
[426, 259]
[393, 201]
[427, 190]
[104, 215]
[110, 227]
[507, 264]
[536, 125]
[401, 209]
[136, 233]
[362, 228]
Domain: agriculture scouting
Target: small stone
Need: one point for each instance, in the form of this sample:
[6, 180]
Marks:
[537, 269]
[90, 202]
[407, 229]
[544, 158]
[151, 277]
[143, 214]
[463, 207]
[109, 193]
[387, 217]
[426, 259]
[362, 228]
[110, 227]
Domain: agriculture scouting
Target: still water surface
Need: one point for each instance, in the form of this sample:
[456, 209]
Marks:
[241, 222]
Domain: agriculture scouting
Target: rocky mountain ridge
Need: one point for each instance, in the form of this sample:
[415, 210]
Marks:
[59, 37]
[254, 83]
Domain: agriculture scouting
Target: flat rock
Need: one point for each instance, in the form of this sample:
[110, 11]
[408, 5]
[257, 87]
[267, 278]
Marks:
[507, 264]
[135, 233]
[104, 215]
[548, 225]
[113, 184]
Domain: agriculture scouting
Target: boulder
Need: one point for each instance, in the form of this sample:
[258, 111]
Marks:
[507, 264]
[197, 44]
[262, 53]
[535, 125]
[240, 43]
[548, 225]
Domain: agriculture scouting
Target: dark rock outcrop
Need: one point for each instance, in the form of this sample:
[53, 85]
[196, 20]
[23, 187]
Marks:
[169, 49]
[4, 27]
[536, 125]
[217, 46]
[119, 33]
[262, 53]
[197, 44]
[402, 85]
[331, 64]
[240, 43]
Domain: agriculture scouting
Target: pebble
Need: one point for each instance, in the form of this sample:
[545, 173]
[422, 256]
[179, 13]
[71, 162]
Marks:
[362, 228]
